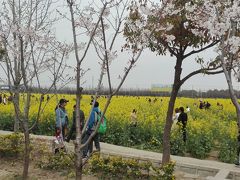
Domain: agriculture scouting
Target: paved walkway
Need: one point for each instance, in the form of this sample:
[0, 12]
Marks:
[201, 169]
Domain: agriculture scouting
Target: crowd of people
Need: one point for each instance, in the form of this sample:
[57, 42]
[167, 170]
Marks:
[62, 122]
[204, 105]
[180, 118]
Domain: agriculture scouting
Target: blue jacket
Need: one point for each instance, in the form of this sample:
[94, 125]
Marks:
[91, 121]
[61, 117]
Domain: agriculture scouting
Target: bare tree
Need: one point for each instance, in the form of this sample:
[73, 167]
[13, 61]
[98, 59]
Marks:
[30, 52]
[99, 36]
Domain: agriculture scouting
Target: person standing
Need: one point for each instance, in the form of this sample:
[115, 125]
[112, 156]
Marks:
[72, 133]
[91, 126]
[201, 105]
[176, 115]
[1, 99]
[4, 99]
[48, 97]
[61, 117]
[133, 116]
[183, 118]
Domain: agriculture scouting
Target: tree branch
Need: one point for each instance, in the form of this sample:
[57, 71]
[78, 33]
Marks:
[200, 50]
[209, 71]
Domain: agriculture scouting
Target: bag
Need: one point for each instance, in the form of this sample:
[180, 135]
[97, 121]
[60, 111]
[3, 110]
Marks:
[58, 144]
[103, 124]
[65, 130]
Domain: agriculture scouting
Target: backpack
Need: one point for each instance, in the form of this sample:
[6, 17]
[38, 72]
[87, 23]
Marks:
[103, 124]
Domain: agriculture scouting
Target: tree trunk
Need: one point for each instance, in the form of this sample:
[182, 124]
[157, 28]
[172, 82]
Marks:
[233, 96]
[227, 73]
[26, 150]
[78, 159]
[78, 150]
[168, 124]
[167, 128]
[16, 118]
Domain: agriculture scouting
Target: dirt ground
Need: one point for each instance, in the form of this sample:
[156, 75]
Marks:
[10, 169]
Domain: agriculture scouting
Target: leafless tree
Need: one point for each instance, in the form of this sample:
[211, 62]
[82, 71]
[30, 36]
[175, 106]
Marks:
[31, 50]
[111, 14]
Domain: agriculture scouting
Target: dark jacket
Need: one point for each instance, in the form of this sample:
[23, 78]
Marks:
[183, 118]
[82, 118]
[72, 133]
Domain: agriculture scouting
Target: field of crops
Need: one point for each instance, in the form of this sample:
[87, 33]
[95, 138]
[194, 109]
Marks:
[213, 129]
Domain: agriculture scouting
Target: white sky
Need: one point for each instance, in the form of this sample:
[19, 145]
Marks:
[150, 69]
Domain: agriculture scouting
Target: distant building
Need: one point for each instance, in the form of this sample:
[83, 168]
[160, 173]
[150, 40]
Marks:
[4, 87]
[7, 87]
[161, 87]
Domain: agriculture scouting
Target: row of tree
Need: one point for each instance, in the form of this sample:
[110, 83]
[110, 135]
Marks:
[182, 28]
[216, 93]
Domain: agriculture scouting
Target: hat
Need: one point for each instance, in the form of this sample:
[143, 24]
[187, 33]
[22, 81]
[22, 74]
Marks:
[96, 104]
[63, 101]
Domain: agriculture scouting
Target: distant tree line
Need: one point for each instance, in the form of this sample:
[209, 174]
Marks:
[207, 94]
[146, 92]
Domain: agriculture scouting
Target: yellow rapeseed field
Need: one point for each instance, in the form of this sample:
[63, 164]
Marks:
[207, 129]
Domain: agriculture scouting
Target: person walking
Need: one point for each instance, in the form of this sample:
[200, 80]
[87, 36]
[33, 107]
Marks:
[183, 118]
[61, 117]
[72, 133]
[91, 126]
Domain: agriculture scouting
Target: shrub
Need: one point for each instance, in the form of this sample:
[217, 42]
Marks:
[199, 145]
[6, 122]
[11, 145]
[59, 161]
[199, 139]
[228, 150]
[118, 168]
[176, 142]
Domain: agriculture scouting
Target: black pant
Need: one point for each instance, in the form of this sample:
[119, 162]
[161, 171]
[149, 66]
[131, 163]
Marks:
[89, 147]
[96, 140]
[184, 133]
[72, 134]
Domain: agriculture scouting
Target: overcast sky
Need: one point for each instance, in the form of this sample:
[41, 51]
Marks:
[149, 70]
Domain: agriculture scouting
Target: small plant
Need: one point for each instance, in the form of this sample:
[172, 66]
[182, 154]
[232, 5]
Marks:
[228, 150]
[200, 139]
[59, 161]
[166, 172]
[11, 145]
[177, 143]
[115, 167]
